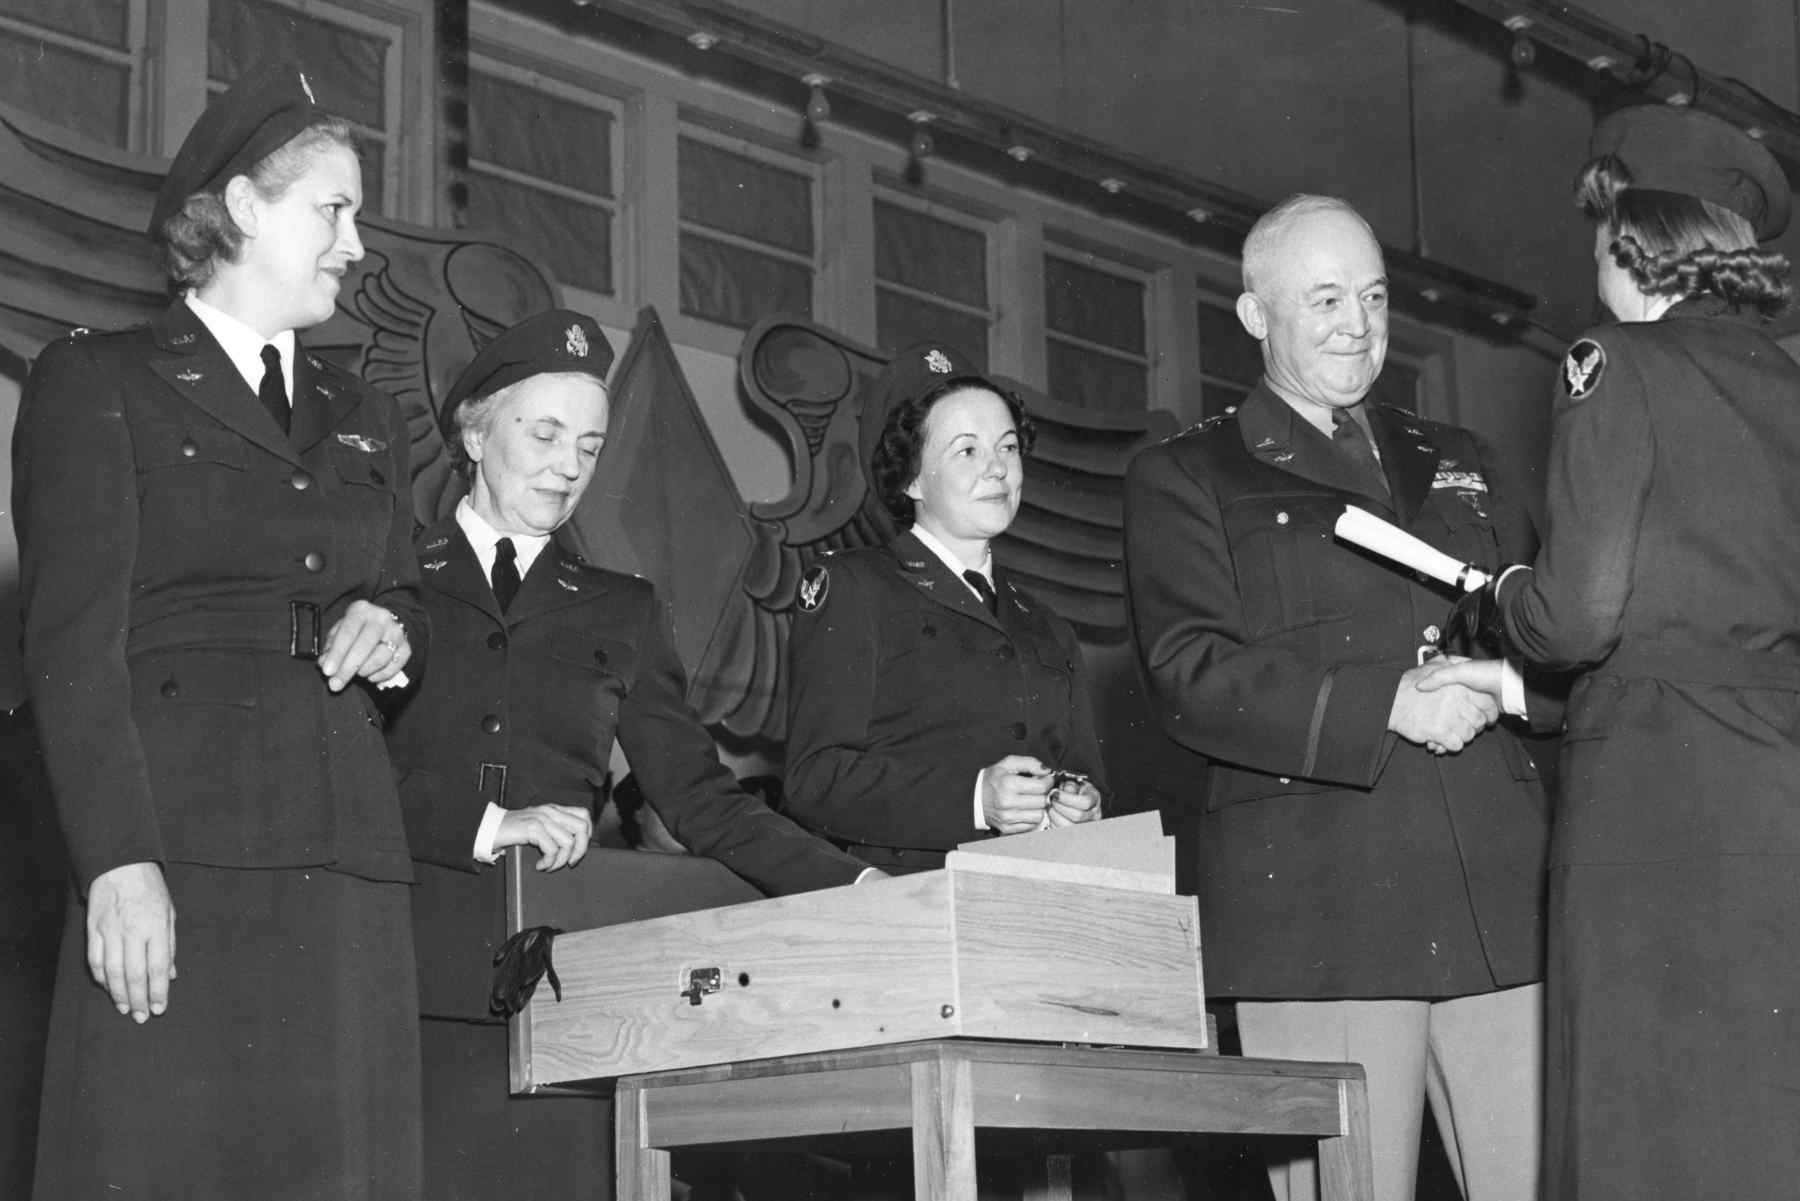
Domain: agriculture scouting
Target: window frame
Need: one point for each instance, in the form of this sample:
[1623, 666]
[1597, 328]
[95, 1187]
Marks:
[938, 204]
[134, 57]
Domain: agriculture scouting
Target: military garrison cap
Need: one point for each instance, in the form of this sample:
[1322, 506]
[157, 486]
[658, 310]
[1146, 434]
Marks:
[1671, 149]
[555, 342]
[268, 105]
[911, 373]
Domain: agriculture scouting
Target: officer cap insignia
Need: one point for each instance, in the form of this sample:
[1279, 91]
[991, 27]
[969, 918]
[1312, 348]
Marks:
[554, 342]
[938, 362]
[576, 342]
[813, 587]
[1582, 368]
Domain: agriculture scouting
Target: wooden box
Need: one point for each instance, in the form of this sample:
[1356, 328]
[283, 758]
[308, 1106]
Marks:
[957, 952]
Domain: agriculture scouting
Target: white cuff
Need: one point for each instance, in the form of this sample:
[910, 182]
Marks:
[1512, 689]
[487, 832]
[864, 874]
[980, 817]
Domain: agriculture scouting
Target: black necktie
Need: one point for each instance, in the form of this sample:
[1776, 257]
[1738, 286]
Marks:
[983, 589]
[506, 573]
[273, 390]
[1349, 438]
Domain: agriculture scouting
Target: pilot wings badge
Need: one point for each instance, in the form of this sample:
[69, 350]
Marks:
[1582, 368]
[813, 587]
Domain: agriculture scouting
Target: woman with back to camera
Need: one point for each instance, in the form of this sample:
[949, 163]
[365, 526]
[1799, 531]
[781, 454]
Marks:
[930, 700]
[1671, 573]
[215, 529]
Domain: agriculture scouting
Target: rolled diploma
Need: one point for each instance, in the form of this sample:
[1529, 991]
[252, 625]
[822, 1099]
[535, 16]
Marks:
[1364, 529]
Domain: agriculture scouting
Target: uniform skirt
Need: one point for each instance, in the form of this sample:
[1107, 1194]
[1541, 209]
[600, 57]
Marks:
[286, 1067]
[1673, 1037]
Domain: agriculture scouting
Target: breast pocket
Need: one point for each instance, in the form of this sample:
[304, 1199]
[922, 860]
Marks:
[1292, 571]
[359, 468]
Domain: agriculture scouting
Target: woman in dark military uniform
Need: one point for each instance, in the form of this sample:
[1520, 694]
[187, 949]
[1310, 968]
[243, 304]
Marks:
[931, 700]
[538, 661]
[1671, 571]
[214, 579]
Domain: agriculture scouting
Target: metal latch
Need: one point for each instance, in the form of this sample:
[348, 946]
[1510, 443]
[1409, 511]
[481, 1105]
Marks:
[702, 981]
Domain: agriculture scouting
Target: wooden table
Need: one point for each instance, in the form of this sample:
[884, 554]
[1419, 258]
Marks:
[943, 1089]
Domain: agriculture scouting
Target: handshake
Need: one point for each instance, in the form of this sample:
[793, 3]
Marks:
[1452, 696]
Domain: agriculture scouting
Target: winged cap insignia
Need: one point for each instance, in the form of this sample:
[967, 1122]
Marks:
[577, 343]
[939, 362]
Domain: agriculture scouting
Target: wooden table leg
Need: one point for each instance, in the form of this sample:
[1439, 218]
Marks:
[1346, 1163]
[642, 1170]
[943, 1118]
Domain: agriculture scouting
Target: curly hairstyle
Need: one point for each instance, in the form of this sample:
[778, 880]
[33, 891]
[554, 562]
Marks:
[897, 459]
[200, 235]
[1677, 245]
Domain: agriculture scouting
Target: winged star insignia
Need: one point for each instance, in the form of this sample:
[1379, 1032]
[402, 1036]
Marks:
[813, 587]
[1582, 368]
[577, 342]
[939, 362]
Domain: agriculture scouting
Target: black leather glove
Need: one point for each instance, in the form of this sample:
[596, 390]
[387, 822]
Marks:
[1475, 628]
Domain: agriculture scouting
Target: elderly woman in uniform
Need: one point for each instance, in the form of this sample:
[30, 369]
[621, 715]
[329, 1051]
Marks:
[1670, 573]
[539, 661]
[217, 570]
[931, 702]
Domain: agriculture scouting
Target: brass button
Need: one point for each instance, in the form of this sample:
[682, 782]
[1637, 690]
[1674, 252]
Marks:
[1282, 518]
[314, 561]
[301, 481]
[189, 449]
[170, 688]
[496, 641]
[490, 724]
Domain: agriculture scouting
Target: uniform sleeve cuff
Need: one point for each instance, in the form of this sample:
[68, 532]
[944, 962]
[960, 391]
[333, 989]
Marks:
[487, 832]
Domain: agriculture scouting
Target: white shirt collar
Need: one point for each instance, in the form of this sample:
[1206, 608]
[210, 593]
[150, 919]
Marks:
[483, 538]
[930, 542]
[243, 345]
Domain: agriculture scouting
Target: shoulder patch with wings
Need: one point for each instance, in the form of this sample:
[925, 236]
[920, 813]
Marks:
[1582, 368]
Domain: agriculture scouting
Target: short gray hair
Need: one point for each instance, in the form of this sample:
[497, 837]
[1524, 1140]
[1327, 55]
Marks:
[1264, 238]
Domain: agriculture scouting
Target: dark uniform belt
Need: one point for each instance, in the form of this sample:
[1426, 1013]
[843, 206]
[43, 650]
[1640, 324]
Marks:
[1724, 667]
[298, 632]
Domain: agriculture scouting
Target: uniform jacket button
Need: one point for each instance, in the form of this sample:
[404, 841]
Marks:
[496, 641]
[314, 561]
[189, 449]
[600, 658]
[1018, 731]
[490, 724]
[300, 480]
[1007, 651]
[170, 688]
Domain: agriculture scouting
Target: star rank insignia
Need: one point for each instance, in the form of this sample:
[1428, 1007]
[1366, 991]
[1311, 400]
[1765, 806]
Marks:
[1582, 368]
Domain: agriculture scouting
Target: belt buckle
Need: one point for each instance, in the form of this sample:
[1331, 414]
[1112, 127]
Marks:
[303, 630]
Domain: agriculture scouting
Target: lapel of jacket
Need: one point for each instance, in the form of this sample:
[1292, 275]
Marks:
[929, 574]
[192, 362]
[1274, 434]
[555, 581]
[1408, 455]
[448, 565]
[1016, 613]
[321, 399]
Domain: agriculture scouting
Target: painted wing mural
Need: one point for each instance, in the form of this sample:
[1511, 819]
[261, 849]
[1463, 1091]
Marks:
[665, 506]
[73, 252]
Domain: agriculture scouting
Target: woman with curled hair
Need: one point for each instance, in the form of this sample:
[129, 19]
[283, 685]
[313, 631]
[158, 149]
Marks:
[217, 571]
[931, 701]
[1670, 577]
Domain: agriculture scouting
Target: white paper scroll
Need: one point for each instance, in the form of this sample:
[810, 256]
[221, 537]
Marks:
[1364, 529]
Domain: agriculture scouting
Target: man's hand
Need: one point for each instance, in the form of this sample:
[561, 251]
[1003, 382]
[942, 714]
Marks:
[131, 938]
[1444, 719]
[1014, 793]
[559, 832]
[1482, 675]
[1071, 806]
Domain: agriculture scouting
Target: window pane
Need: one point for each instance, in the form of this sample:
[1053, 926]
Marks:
[901, 321]
[1093, 305]
[1227, 351]
[348, 69]
[73, 90]
[1097, 381]
[738, 195]
[104, 21]
[1397, 385]
[540, 134]
[739, 287]
[573, 241]
[930, 255]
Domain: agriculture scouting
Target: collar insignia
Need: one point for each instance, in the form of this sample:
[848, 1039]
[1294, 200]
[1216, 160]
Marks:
[568, 585]
[190, 377]
[433, 565]
[368, 446]
[1582, 368]
[307, 88]
[178, 340]
[437, 544]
